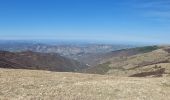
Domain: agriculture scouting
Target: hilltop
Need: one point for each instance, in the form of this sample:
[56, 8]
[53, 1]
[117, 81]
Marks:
[17, 84]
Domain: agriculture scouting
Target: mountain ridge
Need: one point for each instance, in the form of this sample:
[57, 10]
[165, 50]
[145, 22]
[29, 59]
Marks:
[140, 64]
[38, 61]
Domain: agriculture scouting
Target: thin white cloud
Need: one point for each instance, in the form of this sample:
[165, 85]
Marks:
[158, 10]
[158, 14]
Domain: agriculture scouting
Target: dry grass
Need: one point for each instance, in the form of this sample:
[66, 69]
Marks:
[45, 85]
[140, 63]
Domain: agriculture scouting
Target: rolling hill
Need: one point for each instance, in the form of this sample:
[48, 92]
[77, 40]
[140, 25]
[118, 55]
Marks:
[38, 61]
[94, 59]
[148, 62]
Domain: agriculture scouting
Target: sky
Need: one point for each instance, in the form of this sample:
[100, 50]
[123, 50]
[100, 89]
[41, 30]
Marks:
[146, 21]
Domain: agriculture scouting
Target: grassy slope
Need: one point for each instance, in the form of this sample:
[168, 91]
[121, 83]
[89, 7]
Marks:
[94, 59]
[137, 65]
[146, 49]
[18, 84]
[118, 57]
[99, 69]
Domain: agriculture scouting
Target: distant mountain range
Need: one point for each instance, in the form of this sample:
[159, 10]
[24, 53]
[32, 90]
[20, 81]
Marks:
[81, 52]
[62, 49]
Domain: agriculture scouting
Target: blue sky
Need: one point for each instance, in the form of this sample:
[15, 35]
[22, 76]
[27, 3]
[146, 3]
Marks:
[97, 20]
